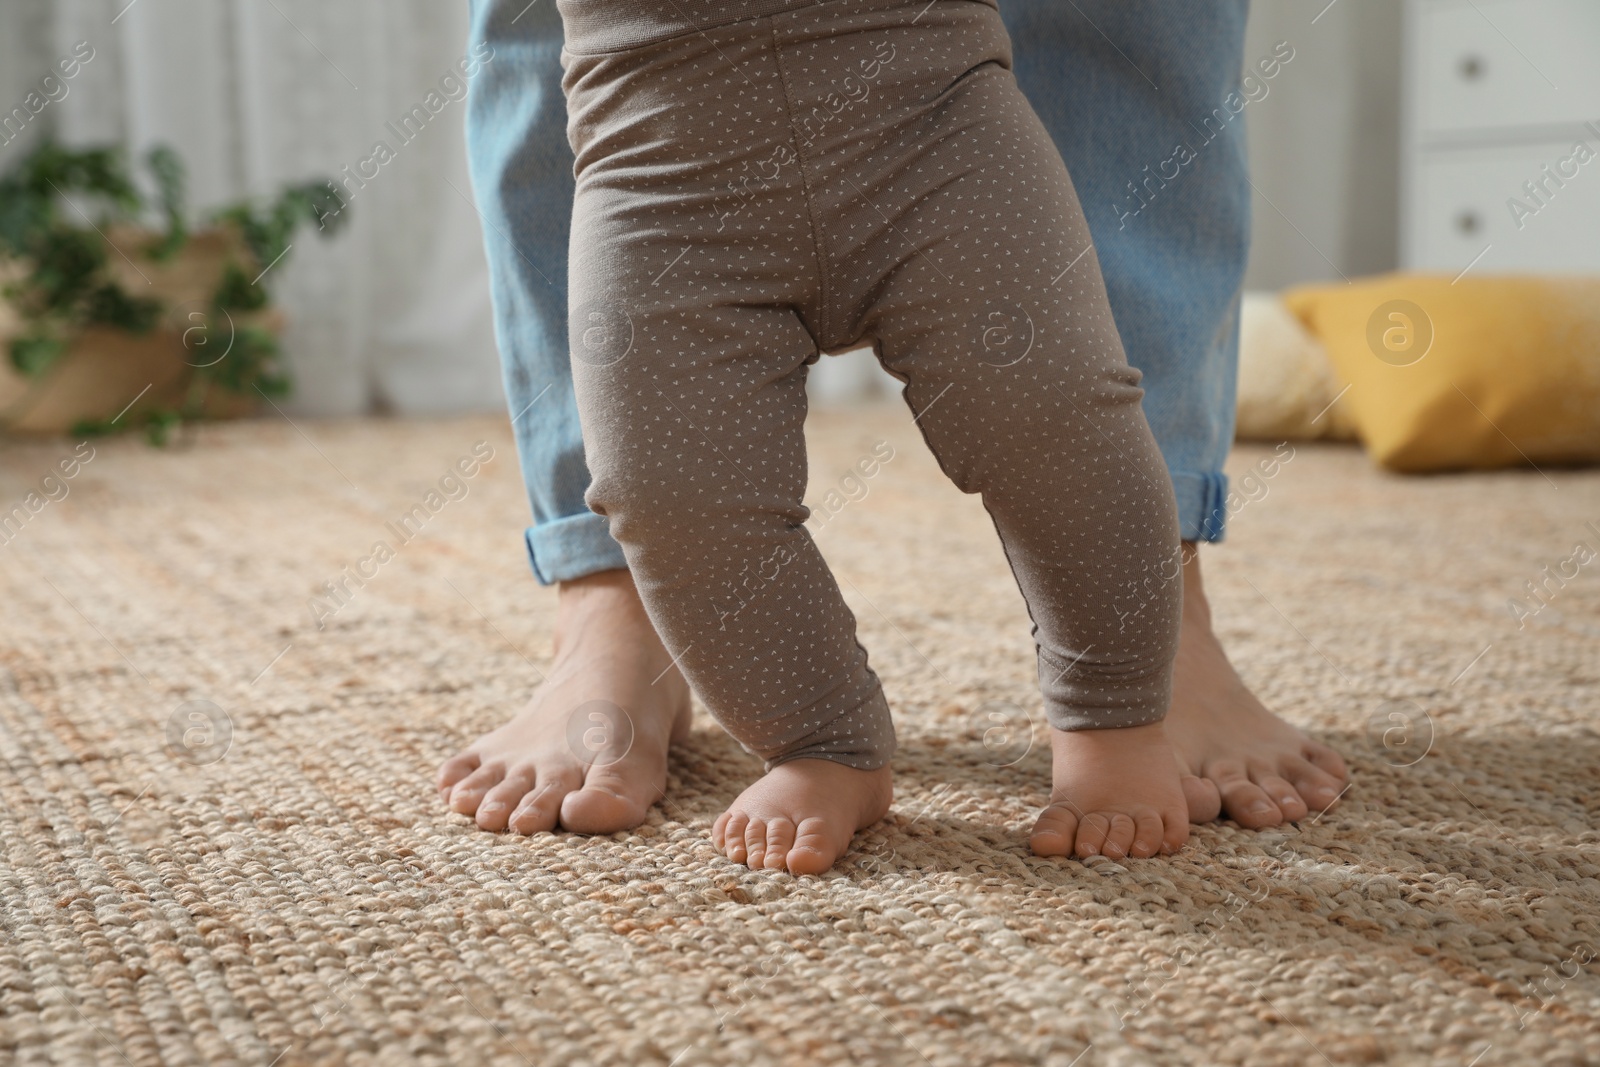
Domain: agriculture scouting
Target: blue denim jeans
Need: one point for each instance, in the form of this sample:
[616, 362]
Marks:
[1134, 98]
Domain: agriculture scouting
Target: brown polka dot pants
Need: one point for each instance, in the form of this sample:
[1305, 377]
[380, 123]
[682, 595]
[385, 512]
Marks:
[758, 180]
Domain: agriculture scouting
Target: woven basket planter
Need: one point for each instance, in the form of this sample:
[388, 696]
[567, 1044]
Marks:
[109, 373]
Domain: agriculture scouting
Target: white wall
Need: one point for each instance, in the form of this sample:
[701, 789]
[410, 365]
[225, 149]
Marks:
[1324, 146]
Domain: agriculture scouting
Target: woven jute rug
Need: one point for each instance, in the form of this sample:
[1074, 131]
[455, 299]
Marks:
[221, 842]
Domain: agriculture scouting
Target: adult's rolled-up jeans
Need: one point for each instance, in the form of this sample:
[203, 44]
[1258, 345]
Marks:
[1135, 98]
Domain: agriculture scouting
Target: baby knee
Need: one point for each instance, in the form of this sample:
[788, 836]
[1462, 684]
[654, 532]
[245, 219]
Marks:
[643, 507]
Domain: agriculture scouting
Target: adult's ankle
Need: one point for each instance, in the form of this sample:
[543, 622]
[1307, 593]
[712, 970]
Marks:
[615, 583]
[1196, 607]
[608, 595]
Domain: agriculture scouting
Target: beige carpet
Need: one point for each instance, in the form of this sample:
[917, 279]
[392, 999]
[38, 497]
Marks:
[268, 878]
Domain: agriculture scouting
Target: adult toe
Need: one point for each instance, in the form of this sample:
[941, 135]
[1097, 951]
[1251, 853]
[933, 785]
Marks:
[606, 803]
[1327, 761]
[469, 792]
[1202, 797]
[540, 807]
[1316, 787]
[1245, 802]
[494, 812]
[454, 769]
[1283, 794]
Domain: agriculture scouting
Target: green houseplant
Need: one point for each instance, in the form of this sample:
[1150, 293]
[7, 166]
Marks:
[96, 299]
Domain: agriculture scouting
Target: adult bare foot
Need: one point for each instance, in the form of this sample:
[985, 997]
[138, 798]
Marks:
[589, 752]
[1117, 793]
[1245, 762]
[801, 815]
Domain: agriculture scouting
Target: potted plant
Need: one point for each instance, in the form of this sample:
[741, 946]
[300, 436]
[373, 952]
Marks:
[110, 323]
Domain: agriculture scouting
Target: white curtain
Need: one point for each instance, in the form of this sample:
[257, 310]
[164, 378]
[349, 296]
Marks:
[1325, 142]
[391, 315]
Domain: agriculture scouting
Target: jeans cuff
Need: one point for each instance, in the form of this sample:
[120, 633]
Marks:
[574, 547]
[1202, 504]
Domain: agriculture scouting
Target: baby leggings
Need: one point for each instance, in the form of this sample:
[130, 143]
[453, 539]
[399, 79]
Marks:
[759, 181]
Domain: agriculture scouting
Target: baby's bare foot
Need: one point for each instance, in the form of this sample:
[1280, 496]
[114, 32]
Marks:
[1241, 759]
[801, 815]
[1117, 793]
[589, 752]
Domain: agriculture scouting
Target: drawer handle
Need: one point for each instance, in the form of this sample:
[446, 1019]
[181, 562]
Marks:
[1468, 221]
[1472, 67]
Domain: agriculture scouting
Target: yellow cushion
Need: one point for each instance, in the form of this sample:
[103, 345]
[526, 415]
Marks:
[1286, 382]
[1482, 372]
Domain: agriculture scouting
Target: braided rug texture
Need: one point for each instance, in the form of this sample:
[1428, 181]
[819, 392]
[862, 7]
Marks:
[220, 844]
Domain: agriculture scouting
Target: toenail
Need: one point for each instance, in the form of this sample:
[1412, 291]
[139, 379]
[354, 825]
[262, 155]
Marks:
[493, 805]
[1260, 809]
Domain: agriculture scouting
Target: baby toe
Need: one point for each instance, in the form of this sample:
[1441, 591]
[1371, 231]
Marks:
[813, 851]
[1055, 830]
[755, 843]
[1175, 832]
[1092, 829]
[1119, 836]
[733, 836]
[1148, 833]
[780, 839]
[1202, 797]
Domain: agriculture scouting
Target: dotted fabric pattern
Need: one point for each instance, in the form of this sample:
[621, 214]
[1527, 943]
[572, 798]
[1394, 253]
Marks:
[838, 174]
[301, 897]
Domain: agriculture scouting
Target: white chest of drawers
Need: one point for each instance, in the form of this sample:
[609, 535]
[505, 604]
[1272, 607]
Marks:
[1500, 136]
